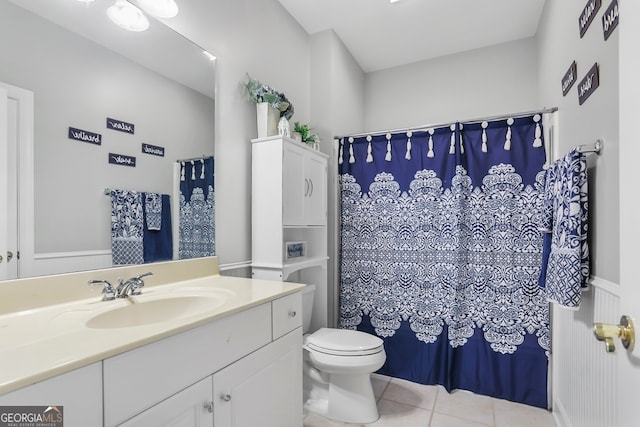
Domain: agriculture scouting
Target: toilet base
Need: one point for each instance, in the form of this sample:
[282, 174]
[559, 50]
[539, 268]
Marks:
[350, 399]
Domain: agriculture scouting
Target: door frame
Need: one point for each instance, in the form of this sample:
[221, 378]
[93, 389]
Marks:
[25, 153]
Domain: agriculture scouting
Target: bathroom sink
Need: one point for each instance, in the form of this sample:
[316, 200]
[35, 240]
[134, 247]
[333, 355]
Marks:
[146, 312]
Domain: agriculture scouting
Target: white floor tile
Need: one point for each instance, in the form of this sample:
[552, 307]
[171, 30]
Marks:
[509, 414]
[409, 393]
[379, 383]
[394, 414]
[314, 420]
[466, 405]
[442, 420]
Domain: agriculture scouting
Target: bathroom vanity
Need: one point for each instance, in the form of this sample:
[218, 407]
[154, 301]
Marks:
[205, 351]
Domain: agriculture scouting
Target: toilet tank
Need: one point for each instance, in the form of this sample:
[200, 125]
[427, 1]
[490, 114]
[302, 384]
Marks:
[307, 306]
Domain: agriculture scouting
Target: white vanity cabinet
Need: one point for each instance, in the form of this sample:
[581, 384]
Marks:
[240, 370]
[237, 371]
[78, 392]
[192, 406]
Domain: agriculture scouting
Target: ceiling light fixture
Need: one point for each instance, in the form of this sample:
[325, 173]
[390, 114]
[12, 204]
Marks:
[160, 8]
[393, 1]
[127, 16]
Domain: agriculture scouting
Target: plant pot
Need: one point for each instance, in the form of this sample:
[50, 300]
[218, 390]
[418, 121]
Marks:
[267, 119]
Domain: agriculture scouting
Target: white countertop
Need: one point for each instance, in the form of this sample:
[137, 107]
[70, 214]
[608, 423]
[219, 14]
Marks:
[39, 343]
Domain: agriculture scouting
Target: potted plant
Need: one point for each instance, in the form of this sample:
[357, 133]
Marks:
[271, 105]
[306, 134]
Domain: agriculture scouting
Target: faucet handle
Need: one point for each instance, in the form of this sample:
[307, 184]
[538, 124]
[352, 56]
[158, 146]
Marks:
[148, 273]
[108, 292]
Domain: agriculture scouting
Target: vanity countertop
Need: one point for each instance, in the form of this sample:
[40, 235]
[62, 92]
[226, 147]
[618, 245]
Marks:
[43, 342]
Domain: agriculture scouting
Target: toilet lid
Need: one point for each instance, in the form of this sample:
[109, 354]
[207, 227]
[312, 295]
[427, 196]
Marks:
[344, 342]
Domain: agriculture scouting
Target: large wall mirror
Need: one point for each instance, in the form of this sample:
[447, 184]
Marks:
[82, 70]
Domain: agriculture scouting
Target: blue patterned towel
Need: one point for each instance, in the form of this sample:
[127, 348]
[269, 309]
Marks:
[153, 210]
[126, 227]
[565, 217]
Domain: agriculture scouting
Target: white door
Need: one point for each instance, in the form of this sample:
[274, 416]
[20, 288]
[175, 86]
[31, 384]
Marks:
[4, 182]
[629, 361]
[16, 180]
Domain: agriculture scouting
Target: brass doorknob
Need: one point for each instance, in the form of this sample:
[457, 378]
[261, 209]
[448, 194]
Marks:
[608, 333]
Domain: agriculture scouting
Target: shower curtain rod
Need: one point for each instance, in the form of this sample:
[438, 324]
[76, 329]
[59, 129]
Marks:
[194, 159]
[476, 120]
[596, 147]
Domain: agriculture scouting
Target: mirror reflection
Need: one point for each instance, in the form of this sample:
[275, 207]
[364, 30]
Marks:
[91, 108]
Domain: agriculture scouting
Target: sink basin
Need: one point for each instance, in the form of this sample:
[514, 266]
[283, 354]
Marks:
[145, 312]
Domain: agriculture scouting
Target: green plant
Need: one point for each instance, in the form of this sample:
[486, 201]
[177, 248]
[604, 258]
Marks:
[306, 133]
[259, 92]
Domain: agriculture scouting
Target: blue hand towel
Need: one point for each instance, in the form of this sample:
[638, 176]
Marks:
[153, 211]
[158, 244]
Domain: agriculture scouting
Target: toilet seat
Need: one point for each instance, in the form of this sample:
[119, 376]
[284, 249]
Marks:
[344, 342]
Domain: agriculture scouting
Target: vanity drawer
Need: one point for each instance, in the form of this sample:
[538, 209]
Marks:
[140, 378]
[287, 314]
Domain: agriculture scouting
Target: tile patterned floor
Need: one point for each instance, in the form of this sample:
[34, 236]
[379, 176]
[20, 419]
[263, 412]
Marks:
[405, 404]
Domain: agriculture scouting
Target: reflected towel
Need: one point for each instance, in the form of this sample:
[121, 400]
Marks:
[565, 269]
[158, 244]
[126, 227]
[153, 210]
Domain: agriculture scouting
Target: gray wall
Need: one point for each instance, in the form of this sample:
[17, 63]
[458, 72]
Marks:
[483, 82]
[584, 377]
[559, 44]
[260, 38]
[78, 83]
[337, 107]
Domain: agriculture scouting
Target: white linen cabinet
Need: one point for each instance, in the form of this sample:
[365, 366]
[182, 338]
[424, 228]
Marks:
[289, 208]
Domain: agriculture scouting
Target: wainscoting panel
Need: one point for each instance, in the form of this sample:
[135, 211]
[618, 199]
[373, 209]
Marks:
[585, 388]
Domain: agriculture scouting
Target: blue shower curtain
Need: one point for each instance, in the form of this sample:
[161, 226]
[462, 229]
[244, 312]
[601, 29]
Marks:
[440, 254]
[197, 209]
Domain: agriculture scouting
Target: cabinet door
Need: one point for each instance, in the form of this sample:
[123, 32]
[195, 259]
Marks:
[316, 197]
[263, 389]
[78, 393]
[192, 407]
[294, 185]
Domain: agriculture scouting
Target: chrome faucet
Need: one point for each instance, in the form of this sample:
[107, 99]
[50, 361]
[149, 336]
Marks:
[127, 288]
[108, 293]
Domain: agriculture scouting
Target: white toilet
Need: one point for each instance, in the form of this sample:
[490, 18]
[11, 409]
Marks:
[337, 369]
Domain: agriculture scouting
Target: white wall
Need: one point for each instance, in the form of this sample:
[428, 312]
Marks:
[483, 82]
[559, 43]
[337, 108]
[78, 83]
[260, 38]
[584, 377]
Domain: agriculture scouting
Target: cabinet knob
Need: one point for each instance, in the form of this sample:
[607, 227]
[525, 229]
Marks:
[9, 256]
[225, 396]
[208, 406]
[292, 313]
[306, 187]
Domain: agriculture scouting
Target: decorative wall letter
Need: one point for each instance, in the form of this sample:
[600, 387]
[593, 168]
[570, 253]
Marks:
[85, 136]
[120, 125]
[588, 84]
[152, 149]
[569, 78]
[588, 14]
[610, 19]
[121, 159]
